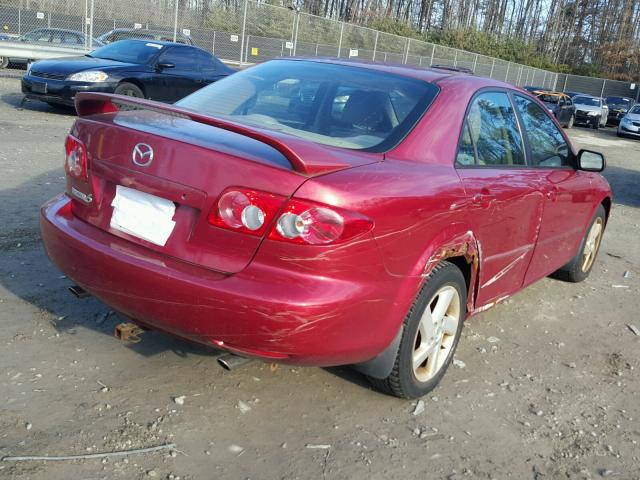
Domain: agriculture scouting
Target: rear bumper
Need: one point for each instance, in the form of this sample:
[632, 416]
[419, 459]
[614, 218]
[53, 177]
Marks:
[287, 316]
[60, 91]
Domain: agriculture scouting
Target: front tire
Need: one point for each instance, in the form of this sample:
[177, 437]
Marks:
[431, 332]
[580, 266]
[596, 124]
[129, 90]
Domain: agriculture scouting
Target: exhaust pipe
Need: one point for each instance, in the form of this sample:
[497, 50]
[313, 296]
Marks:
[79, 292]
[231, 362]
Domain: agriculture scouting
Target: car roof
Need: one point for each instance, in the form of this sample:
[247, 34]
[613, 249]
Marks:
[62, 30]
[421, 73]
[158, 42]
[143, 30]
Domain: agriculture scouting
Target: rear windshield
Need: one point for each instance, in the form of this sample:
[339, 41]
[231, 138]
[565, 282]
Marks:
[128, 51]
[336, 105]
[619, 102]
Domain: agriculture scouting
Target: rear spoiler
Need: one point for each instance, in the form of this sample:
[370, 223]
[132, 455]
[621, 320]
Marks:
[306, 157]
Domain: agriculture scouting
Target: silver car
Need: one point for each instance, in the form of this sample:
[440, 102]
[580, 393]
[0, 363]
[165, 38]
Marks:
[630, 123]
[591, 111]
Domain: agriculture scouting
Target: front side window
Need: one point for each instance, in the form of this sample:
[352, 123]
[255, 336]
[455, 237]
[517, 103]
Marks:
[342, 106]
[547, 145]
[185, 60]
[491, 127]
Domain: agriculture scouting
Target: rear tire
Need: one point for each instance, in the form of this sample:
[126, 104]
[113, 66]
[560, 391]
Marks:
[129, 90]
[431, 333]
[580, 266]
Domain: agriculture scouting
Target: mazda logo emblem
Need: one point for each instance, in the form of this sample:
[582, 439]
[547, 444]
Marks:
[142, 155]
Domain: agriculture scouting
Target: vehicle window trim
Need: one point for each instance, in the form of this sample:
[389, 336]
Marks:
[572, 157]
[464, 122]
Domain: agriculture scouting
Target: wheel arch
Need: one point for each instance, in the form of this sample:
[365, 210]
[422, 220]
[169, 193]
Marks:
[461, 250]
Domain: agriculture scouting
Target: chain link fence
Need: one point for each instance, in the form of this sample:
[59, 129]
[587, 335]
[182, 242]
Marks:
[250, 31]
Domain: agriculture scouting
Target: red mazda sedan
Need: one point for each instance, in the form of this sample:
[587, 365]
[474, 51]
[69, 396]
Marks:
[325, 212]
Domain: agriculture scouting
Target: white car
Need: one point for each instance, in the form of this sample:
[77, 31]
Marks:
[591, 111]
[630, 123]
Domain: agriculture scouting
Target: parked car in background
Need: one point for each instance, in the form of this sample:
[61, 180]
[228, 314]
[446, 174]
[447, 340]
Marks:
[309, 236]
[143, 34]
[55, 36]
[618, 108]
[630, 124]
[590, 111]
[560, 105]
[162, 71]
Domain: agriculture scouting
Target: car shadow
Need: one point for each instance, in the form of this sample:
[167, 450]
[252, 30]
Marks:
[624, 184]
[18, 101]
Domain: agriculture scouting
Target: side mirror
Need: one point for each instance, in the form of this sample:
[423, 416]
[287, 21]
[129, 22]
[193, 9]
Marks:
[590, 161]
[162, 66]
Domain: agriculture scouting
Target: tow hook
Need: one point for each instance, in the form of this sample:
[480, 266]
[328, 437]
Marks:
[128, 332]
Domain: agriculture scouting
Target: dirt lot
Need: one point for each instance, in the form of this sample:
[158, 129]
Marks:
[548, 389]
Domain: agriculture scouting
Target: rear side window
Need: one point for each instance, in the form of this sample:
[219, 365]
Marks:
[546, 144]
[491, 129]
[186, 60]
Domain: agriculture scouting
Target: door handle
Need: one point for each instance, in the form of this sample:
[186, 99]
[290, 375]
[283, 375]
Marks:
[551, 193]
[484, 199]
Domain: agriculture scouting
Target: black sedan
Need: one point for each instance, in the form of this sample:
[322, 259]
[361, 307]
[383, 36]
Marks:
[618, 108]
[162, 71]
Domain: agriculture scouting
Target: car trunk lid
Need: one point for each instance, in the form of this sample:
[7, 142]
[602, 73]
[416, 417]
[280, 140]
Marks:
[194, 160]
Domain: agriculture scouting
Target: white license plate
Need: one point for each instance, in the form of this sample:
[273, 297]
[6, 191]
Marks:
[143, 215]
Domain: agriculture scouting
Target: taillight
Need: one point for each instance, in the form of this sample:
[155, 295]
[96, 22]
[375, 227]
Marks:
[75, 163]
[301, 222]
[244, 210]
[310, 223]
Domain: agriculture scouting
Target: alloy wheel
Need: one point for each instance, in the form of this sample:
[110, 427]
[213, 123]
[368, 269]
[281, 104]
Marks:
[436, 333]
[592, 244]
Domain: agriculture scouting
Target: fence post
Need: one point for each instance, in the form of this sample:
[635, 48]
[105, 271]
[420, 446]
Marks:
[555, 84]
[544, 79]
[493, 64]
[406, 51]
[246, 49]
[175, 21]
[297, 25]
[375, 46]
[566, 77]
[213, 46]
[91, 26]
[604, 82]
[506, 75]
[433, 50]
[455, 59]
[244, 27]
[519, 76]
[475, 63]
[340, 41]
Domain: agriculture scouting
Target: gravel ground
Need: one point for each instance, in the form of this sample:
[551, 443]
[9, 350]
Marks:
[547, 388]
